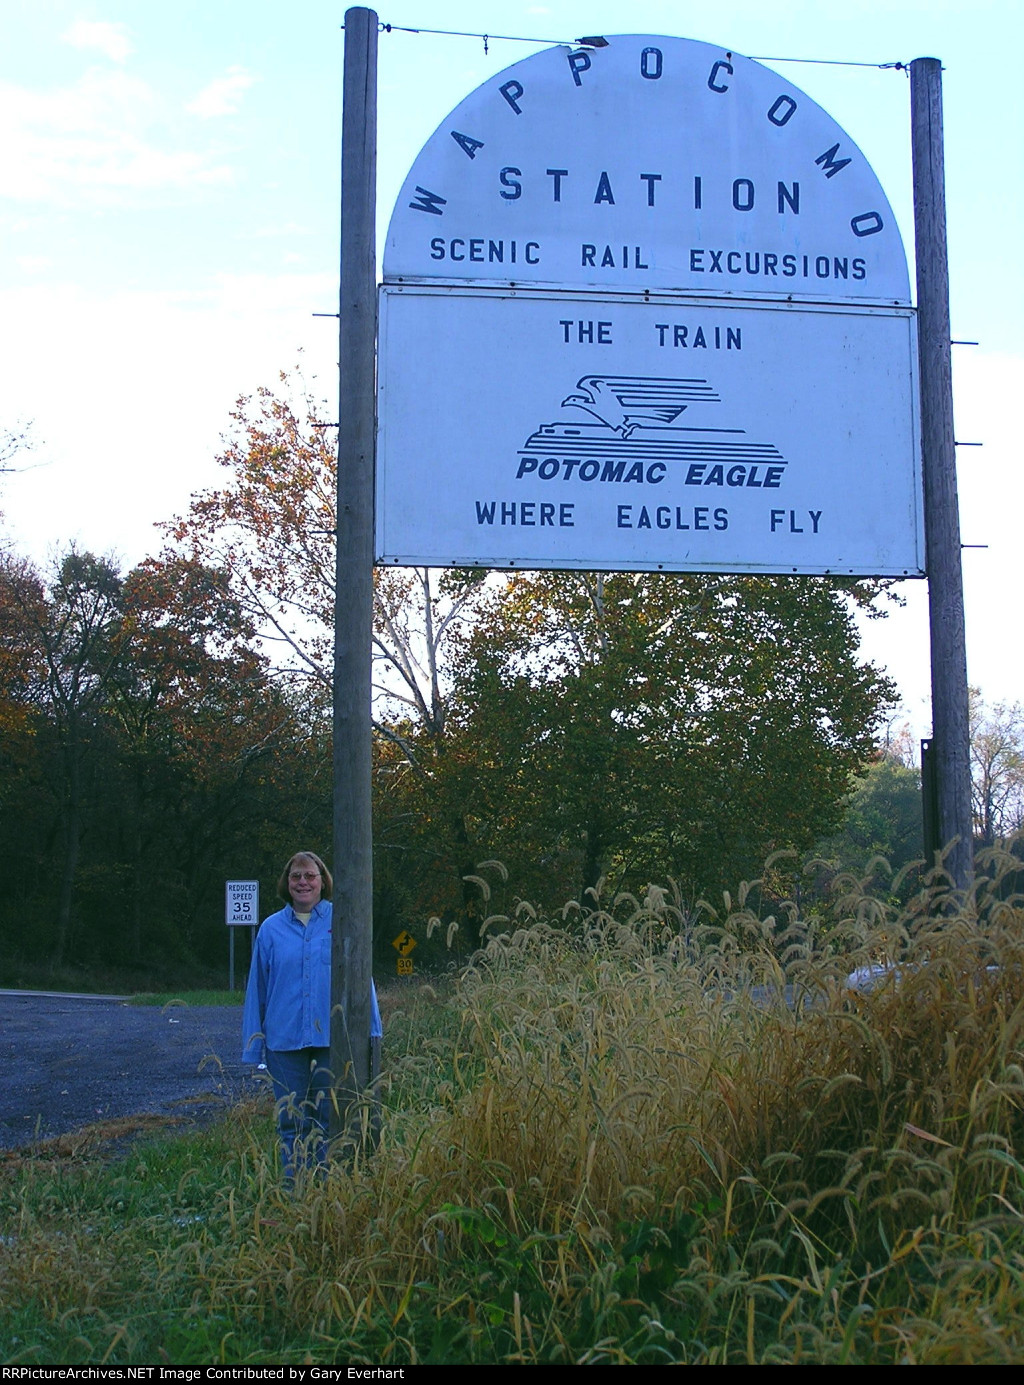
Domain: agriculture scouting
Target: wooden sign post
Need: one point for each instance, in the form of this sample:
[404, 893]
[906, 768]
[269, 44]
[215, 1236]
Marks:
[950, 744]
[353, 629]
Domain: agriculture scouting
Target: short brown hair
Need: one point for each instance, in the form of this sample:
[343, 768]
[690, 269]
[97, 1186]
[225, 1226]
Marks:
[325, 875]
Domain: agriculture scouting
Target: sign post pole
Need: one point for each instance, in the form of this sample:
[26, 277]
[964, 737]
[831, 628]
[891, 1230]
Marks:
[950, 720]
[241, 910]
[353, 870]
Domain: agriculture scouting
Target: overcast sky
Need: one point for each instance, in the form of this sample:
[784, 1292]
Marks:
[169, 223]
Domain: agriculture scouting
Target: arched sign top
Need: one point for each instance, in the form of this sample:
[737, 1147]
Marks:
[658, 164]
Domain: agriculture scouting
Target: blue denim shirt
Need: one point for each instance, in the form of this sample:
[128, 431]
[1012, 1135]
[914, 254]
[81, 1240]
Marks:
[288, 996]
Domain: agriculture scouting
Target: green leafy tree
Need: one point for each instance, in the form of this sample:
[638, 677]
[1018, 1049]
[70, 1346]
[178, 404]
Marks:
[643, 725]
[882, 819]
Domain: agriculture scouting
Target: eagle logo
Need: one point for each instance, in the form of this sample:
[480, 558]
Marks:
[627, 402]
[635, 417]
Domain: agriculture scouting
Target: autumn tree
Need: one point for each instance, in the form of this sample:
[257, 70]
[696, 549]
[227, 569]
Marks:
[147, 755]
[68, 623]
[22, 697]
[22, 663]
[203, 736]
[997, 769]
[270, 529]
[14, 441]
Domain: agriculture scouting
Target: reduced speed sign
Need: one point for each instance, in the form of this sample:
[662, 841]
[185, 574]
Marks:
[242, 903]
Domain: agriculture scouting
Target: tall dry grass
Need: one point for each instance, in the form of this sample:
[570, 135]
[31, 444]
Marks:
[631, 1134]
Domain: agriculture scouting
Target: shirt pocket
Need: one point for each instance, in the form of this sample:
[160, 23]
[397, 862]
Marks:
[325, 952]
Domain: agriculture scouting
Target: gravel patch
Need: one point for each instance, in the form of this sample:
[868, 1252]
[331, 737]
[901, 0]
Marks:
[72, 1061]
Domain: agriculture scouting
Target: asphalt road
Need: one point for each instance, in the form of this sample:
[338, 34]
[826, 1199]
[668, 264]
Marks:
[70, 1062]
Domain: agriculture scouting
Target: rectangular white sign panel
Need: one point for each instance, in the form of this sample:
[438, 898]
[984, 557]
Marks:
[241, 903]
[533, 430]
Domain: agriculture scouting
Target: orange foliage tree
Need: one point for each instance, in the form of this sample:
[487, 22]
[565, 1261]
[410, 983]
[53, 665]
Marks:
[146, 755]
[270, 528]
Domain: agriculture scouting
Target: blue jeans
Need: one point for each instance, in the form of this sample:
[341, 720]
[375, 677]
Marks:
[302, 1084]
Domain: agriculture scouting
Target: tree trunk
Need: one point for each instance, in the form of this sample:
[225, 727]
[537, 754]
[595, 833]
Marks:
[592, 860]
[72, 844]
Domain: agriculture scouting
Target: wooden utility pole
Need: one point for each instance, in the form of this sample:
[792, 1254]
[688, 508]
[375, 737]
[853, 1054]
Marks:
[353, 599]
[950, 724]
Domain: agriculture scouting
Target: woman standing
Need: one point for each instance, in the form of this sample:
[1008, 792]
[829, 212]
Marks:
[286, 1022]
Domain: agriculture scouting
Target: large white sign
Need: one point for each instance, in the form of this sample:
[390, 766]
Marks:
[652, 163]
[666, 433]
[646, 306]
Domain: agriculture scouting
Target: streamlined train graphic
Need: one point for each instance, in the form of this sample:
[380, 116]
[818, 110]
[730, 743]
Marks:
[636, 423]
